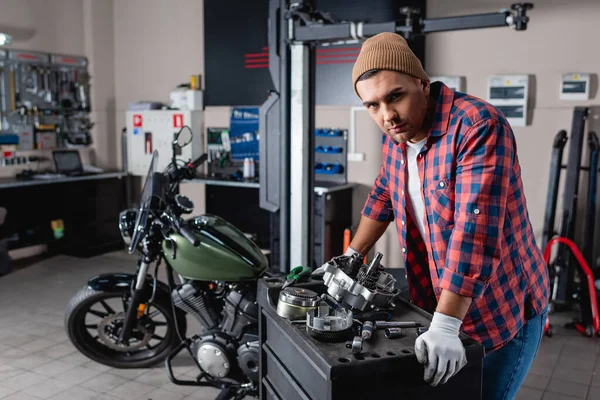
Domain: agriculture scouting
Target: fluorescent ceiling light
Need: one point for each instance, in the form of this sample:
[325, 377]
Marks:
[5, 39]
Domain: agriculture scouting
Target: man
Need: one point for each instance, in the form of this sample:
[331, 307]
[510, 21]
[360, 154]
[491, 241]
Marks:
[450, 179]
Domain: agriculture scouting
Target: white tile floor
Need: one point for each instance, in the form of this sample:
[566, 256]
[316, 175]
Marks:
[38, 362]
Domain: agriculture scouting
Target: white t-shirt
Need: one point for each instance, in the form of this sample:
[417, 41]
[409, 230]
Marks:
[414, 201]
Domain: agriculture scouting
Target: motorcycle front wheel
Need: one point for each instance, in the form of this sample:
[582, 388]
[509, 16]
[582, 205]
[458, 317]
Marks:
[94, 318]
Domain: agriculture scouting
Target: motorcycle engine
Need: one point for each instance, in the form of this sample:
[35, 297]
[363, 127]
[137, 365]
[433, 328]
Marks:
[240, 311]
[197, 301]
[230, 350]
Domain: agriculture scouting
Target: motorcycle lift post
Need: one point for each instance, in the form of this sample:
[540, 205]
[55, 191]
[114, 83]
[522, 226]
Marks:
[581, 326]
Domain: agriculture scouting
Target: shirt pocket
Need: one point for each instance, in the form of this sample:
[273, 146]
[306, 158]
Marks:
[442, 201]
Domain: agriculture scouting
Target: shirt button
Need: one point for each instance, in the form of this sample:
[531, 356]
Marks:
[403, 222]
[403, 193]
[476, 211]
[442, 184]
[402, 161]
[404, 249]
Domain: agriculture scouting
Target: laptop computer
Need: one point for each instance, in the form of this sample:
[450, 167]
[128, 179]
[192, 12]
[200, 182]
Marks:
[68, 162]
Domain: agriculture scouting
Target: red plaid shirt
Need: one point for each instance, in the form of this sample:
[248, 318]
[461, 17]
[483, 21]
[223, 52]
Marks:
[480, 242]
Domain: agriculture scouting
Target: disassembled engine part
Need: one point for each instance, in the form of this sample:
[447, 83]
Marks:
[393, 333]
[327, 324]
[397, 324]
[373, 287]
[294, 303]
[330, 302]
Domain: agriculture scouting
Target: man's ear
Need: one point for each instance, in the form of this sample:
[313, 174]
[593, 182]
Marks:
[426, 87]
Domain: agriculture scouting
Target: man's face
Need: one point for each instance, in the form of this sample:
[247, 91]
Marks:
[397, 103]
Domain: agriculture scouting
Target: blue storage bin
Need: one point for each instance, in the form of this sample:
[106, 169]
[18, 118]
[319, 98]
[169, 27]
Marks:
[328, 168]
[329, 132]
[328, 149]
[9, 139]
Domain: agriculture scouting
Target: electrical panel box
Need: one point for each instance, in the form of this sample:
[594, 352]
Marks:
[575, 86]
[150, 130]
[456, 83]
[510, 94]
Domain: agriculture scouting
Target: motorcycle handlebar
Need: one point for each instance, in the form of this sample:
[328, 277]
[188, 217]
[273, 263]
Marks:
[188, 171]
[189, 235]
[199, 161]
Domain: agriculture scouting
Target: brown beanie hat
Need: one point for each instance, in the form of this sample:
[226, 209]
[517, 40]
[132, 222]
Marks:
[387, 51]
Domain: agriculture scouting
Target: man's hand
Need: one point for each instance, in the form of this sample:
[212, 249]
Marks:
[441, 350]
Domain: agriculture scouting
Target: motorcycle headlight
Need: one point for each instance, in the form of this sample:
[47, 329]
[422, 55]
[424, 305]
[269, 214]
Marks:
[127, 220]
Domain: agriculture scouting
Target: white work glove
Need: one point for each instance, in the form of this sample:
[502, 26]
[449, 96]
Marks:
[350, 252]
[441, 350]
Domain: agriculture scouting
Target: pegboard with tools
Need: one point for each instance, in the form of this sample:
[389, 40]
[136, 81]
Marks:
[45, 99]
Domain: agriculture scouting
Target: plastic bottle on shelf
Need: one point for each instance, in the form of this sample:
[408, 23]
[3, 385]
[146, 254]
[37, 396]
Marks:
[246, 171]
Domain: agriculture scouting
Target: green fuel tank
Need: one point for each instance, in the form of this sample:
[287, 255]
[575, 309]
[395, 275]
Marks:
[224, 252]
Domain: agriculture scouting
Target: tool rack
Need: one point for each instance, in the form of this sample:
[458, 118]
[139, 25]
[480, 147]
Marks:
[296, 366]
[45, 99]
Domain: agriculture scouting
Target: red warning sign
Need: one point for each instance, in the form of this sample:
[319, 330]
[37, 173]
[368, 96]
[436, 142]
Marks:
[177, 120]
[137, 121]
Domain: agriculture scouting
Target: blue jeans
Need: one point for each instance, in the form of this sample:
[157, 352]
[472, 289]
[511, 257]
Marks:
[505, 369]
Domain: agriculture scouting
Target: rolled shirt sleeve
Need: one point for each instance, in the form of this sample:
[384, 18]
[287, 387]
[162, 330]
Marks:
[483, 176]
[379, 203]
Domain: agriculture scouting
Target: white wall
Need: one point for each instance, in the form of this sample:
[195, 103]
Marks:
[158, 44]
[99, 48]
[561, 37]
[50, 26]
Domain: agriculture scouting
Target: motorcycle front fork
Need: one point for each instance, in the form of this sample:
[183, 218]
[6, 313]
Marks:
[134, 301]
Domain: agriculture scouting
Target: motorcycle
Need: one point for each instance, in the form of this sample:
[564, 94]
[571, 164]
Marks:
[136, 320]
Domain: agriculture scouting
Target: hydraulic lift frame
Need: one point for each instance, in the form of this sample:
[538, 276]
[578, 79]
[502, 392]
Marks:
[287, 117]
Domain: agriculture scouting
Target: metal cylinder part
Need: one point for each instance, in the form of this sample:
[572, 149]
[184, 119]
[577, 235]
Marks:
[397, 324]
[421, 331]
[367, 330]
[294, 303]
[393, 333]
[357, 344]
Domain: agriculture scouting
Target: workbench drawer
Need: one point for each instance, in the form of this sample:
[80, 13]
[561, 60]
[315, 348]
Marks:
[295, 360]
[281, 380]
[270, 393]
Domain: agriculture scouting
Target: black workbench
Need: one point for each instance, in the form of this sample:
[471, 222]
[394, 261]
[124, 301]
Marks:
[88, 205]
[296, 366]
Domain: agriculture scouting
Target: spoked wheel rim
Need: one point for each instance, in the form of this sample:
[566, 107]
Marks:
[99, 322]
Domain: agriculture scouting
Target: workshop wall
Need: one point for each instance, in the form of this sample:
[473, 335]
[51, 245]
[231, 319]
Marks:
[559, 39]
[52, 26]
[36, 25]
[99, 48]
[157, 45]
